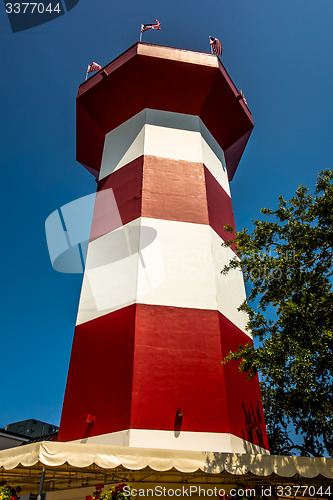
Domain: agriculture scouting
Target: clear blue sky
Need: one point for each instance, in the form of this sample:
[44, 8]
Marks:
[279, 52]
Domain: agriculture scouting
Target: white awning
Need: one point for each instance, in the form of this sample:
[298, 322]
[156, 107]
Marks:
[55, 454]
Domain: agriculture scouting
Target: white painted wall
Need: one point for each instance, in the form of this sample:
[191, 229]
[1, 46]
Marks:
[165, 134]
[230, 288]
[160, 262]
[190, 441]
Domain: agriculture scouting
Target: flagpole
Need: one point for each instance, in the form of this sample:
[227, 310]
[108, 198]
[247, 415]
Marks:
[87, 72]
[141, 32]
[211, 46]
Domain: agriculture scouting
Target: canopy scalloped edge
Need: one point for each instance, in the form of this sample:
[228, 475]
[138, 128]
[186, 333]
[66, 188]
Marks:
[108, 457]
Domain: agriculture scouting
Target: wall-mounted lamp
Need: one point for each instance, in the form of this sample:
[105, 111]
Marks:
[90, 419]
[180, 412]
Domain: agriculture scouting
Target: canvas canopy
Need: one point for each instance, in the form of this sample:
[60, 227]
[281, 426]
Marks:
[73, 465]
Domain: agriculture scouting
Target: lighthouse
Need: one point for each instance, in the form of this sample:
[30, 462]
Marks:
[162, 130]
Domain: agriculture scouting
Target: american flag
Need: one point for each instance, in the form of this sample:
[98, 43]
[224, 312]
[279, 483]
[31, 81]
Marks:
[243, 97]
[154, 26]
[94, 67]
[216, 45]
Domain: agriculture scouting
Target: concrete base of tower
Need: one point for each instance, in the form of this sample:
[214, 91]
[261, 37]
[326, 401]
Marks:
[172, 440]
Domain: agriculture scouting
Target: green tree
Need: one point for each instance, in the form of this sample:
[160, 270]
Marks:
[288, 260]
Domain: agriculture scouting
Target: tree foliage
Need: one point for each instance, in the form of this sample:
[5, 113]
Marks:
[288, 260]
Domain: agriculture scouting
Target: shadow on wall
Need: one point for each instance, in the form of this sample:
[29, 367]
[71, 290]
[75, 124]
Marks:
[253, 426]
[178, 422]
[26, 15]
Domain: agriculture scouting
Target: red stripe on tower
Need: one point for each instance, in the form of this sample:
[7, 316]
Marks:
[156, 317]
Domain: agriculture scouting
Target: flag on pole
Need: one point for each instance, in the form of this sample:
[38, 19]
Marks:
[94, 67]
[215, 45]
[243, 97]
[153, 26]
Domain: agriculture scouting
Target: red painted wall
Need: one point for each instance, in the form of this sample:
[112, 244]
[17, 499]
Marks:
[135, 367]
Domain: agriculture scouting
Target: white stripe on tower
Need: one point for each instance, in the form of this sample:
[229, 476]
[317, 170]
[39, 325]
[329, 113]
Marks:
[171, 263]
[167, 135]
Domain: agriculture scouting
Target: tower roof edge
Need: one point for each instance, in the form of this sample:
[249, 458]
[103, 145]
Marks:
[168, 79]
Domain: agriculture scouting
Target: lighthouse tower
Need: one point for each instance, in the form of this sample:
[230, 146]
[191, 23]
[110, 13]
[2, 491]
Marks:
[162, 130]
